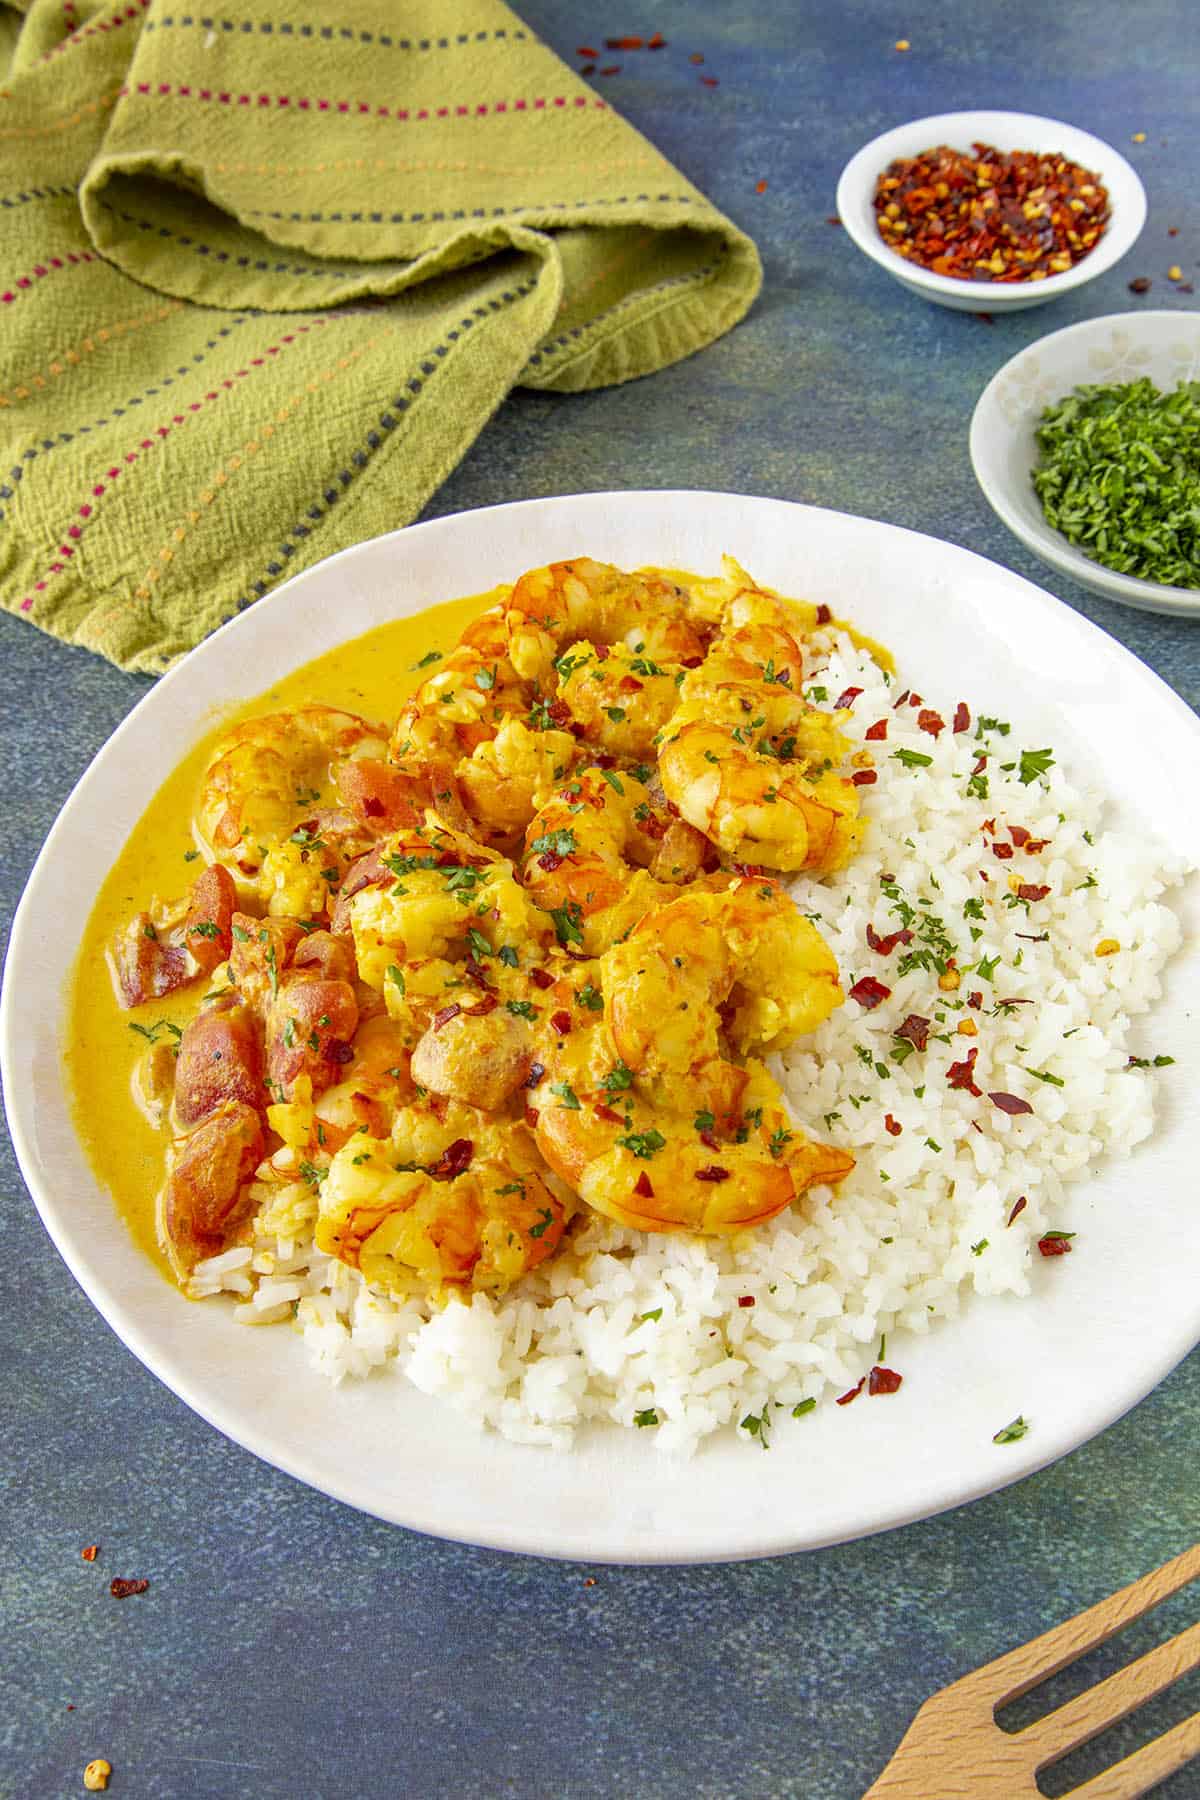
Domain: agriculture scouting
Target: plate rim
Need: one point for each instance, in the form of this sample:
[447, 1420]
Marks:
[224, 1418]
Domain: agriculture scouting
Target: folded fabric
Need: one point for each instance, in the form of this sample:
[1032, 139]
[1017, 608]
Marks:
[268, 272]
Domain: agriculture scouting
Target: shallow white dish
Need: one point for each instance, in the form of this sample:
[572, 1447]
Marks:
[1004, 131]
[1122, 347]
[965, 627]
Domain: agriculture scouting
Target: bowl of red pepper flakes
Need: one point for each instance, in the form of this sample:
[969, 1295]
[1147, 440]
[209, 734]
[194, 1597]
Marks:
[991, 211]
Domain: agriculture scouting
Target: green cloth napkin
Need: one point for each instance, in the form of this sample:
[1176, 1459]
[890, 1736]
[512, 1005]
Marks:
[268, 271]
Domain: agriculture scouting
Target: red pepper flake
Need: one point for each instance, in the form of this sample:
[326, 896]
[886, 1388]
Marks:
[885, 945]
[851, 1394]
[550, 860]
[1002, 851]
[916, 1030]
[823, 614]
[560, 1022]
[869, 993]
[897, 704]
[1017, 1210]
[445, 1014]
[1029, 891]
[607, 1113]
[931, 722]
[1140, 284]
[540, 978]
[1011, 1104]
[487, 1004]
[990, 215]
[710, 1139]
[980, 765]
[745, 1299]
[760, 187]
[120, 1587]
[714, 1172]
[1056, 1243]
[975, 999]
[962, 717]
[532, 1115]
[1018, 834]
[625, 43]
[832, 219]
[710, 81]
[751, 871]
[883, 1381]
[864, 778]
[612, 69]
[642, 1184]
[892, 1126]
[90, 1552]
[586, 50]
[1035, 845]
[695, 57]
[875, 733]
[454, 1160]
[590, 1580]
[657, 42]
[962, 1074]
[847, 699]
[915, 700]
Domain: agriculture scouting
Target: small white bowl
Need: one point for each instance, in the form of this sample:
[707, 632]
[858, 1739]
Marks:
[1004, 131]
[1122, 347]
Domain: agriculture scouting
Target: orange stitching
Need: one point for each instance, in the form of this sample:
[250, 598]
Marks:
[573, 296]
[87, 347]
[38, 131]
[237, 460]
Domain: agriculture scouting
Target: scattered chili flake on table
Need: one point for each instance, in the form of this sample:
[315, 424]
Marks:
[1015, 215]
[710, 81]
[120, 1587]
[760, 187]
[1140, 284]
[695, 57]
[90, 1552]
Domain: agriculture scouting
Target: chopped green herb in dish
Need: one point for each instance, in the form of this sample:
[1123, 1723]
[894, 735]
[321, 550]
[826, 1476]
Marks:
[1119, 476]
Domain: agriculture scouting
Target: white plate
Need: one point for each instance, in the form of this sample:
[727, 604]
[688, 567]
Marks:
[1003, 131]
[1104, 1324]
[1122, 347]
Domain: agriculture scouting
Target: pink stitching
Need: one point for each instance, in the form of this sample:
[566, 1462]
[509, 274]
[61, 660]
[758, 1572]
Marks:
[363, 108]
[41, 270]
[162, 432]
[112, 23]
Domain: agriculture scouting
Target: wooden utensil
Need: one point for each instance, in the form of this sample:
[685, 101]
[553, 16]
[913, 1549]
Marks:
[954, 1749]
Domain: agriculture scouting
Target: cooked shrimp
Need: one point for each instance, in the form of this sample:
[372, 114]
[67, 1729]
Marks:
[620, 697]
[552, 608]
[669, 1168]
[761, 798]
[454, 1199]
[578, 851]
[282, 809]
[742, 966]
[506, 777]
[462, 704]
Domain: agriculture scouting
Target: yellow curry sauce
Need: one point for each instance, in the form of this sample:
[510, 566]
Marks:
[370, 675]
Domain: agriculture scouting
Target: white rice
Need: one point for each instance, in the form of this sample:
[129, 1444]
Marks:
[660, 1331]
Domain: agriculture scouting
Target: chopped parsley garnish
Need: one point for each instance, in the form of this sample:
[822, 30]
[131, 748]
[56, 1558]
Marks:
[590, 997]
[652, 1317]
[1045, 1075]
[987, 966]
[615, 713]
[912, 759]
[704, 1121]
[430, 656]
[567, 921]
[804, 1406]
[554, 843]
[1009, 1434]
[618, 1078]
[1033, 764]
[545, 1220]
[647, 1416]
[479, 944]
[643, 1144]
[1135, 1062]
[522, 1009]
[567, 1095]
[611, 778]
[778, 1141]
[979, 1248]
[508, 956]
[758, 1425]
[485, 679]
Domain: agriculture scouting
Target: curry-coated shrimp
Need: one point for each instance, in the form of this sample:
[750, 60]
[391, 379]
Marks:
[462, 703]
[454, 1199]
[709, 973]
[290, 798]
[579, 848]
[505, 778]
[552, 608]
[761, 797]
[668, 1165]
[619, 696]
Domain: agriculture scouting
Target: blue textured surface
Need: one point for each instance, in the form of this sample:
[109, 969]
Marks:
[288, 1646]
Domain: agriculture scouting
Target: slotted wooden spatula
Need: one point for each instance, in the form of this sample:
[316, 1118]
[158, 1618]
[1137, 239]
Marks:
[955, 1750]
